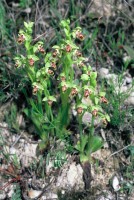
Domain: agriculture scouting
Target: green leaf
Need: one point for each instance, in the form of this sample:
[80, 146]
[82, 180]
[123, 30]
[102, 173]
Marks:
[83, 142]
[107, 118]
[130, 51]
[26, 24]
[94, 143]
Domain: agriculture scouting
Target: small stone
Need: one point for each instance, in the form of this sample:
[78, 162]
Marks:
[34, 193]
[2, 196]
[112, 78]
[87, 118]
[115, 184]
[12, 150]
[128, 80]
[130, 99]
[50, 196]
[71, 178]
[27, 10]
[103, 72]
[75, 176]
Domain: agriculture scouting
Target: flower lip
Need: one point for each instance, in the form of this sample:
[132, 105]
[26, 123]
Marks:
[50, 72]
[41, 49]
[79, 110]
[53, 65]
[103, 99]
[55, 53]
[64, 88]
[31, 61]
[35, 89]
[21, 38]
[68, 48]
[95, 112]
[79, 35]
[87, 93]
[74, 91]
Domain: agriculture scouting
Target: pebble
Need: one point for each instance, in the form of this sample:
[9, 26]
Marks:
[103, 72]
[34, 193]
[71, 178]
[2, 196]
[115, 184]
[112, 78]
[128, 80]
[130, 99]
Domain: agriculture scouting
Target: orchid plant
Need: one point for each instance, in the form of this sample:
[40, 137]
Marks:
[60, 81]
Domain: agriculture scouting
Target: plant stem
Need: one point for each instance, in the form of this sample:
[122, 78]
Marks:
[92, 126]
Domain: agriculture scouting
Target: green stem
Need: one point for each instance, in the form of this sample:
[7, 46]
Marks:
[80, 124]
[92, 126]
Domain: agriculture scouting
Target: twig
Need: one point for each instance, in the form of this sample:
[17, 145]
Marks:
[17, 139]
[118, 151]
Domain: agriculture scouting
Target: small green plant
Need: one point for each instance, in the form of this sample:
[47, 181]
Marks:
[57, 90]
[11, 118]
[117, 97]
